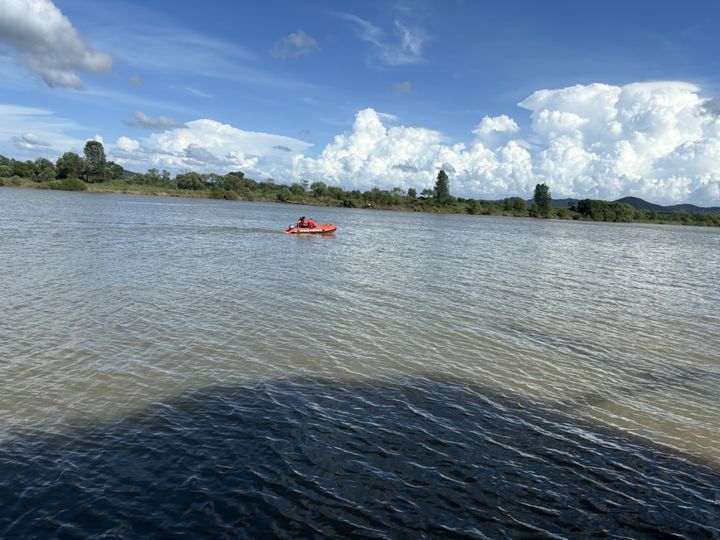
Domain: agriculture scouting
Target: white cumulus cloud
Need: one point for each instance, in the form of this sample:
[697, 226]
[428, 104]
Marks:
[126, 144]
[644, 139]
[496, 124]
[659, 141]
[47, 42]
[206, 145]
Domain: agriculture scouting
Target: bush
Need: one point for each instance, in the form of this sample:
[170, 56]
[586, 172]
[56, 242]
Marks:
[284, 195]
[191, 180]
[349, 203]
[69, 184]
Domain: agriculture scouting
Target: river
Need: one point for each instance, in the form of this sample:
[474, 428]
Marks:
[183, 367]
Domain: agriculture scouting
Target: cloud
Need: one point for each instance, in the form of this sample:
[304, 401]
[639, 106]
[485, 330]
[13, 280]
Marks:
[178, 50]
[712, 106]
[126, 144]
[496, 124]
[659, 141]
[295, 45]
[30, 141]
[142, 121]
[206, 145]
[405, 167]
[494, 131]
[197, 92]
[448, 167]
[388, 117]
[404, 88]
[20, 126]
[372, 155]
[404, 47]
[47, 43]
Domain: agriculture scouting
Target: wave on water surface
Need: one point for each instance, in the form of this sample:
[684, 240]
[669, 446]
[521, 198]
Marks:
[303, 457]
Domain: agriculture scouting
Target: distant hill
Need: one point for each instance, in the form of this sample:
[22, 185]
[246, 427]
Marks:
[640, 204]
[562, 203]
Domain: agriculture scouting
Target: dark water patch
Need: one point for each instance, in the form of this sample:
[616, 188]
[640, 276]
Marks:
[414, 458]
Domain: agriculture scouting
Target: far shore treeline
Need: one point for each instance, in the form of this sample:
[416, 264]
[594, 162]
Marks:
[92, 172]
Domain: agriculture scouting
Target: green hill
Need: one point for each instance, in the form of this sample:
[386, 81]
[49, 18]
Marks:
[640, 204]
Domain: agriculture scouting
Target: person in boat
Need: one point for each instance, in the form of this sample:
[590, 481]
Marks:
[311, 223]
[301, 223]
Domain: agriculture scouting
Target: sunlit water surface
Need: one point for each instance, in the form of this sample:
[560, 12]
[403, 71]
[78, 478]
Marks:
[172, 366]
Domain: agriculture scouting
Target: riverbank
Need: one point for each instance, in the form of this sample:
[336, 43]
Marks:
[251, 191]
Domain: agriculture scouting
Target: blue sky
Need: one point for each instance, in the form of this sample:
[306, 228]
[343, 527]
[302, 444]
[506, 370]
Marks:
[596, 99]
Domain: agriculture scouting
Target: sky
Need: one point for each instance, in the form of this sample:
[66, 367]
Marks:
[595, 99]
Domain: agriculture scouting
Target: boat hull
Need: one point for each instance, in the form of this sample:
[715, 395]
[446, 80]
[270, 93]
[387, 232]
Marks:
[318, 229]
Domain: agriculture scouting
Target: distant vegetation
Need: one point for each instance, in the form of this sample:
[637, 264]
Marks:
[92, 172]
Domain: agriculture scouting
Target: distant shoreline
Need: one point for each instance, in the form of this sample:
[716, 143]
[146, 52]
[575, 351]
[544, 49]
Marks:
[461, 206]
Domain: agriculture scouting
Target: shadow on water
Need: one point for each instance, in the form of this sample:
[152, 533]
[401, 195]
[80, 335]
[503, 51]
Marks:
[412, 458]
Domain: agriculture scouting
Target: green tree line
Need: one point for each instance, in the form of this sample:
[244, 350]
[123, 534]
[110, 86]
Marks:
[93, 171]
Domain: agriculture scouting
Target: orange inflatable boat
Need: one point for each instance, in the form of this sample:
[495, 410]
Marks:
[317, 229]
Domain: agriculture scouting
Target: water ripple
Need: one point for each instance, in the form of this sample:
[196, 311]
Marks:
[183, 367]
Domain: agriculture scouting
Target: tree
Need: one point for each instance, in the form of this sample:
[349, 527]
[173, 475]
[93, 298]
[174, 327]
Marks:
[411, 194]
[319, 188]
[153, 177]
[231, 182]
[516, 205]
[68, 165]
[474, 207]
[23, 169]
[96, 161]
[623, 212]
[43, 170]
[115, 171]
[190, 180]
[442, 186]
[542, 200]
